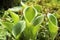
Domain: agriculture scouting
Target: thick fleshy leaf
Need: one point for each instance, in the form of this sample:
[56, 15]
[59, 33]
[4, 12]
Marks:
[14, 16]
[29, 13]
[38, 8]
[8, 25]
[35, 31]
[18, 28]
[53, 19]
[31, 32]
[53, 28]
[38, 20]
[28, 32]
